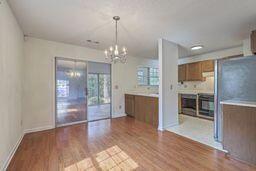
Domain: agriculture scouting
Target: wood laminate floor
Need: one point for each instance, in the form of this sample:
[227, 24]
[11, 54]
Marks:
[117, 144]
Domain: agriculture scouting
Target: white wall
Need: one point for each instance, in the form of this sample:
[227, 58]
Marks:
[168, 88]
[213, 55]
[247, 47]
[39, 79]
[11, 58]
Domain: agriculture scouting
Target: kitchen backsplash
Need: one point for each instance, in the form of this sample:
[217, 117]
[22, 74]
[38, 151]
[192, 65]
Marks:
[207, 85]
[145, 89]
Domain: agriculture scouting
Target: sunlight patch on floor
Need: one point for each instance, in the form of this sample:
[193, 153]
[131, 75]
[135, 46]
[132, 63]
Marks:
[111, 159]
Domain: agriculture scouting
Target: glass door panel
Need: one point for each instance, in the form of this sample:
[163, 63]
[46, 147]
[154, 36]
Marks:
[71, 86]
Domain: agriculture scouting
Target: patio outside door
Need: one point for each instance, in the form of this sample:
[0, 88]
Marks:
[99, 91]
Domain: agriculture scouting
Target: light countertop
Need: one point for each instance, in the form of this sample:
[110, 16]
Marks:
[239, 103]
[195, 92]
[143, 94]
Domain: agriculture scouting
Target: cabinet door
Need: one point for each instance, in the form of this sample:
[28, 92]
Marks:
[155, 111]
[253, 42]
[148, 110]
[129, 105]
[194, 72]
[140, 108]
[182, 73]
[207, 66]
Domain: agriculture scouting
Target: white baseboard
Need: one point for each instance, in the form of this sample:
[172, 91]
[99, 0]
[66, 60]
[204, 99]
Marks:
[160, 129]
[167, 126]
[10, 156]
[170, 125]
[43, 128]
[119, 115]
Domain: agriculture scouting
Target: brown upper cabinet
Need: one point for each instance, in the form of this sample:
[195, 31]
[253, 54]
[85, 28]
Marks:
[182, 73]
[253, 41]
[194, 72]
[207, 66]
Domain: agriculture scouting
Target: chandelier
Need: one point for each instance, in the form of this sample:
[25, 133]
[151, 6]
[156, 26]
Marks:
[114, 54]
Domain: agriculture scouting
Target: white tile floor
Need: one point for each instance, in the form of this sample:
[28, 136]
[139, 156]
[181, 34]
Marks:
[197, 129]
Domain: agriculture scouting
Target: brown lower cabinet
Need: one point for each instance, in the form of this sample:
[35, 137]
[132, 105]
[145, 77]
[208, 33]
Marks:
[239, 136]
[145, 108]
[129, 105]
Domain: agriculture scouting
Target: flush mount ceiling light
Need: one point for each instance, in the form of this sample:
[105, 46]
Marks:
[197, 47]
[113, 54]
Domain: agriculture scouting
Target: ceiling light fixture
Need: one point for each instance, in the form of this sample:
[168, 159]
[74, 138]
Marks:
[197, 47]
[114, 54]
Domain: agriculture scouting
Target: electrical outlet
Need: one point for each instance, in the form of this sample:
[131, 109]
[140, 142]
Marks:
[21, 122]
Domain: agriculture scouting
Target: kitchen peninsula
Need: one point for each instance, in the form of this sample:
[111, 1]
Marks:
[143, 107]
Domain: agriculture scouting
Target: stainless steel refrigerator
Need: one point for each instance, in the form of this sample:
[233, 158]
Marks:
[235, 79]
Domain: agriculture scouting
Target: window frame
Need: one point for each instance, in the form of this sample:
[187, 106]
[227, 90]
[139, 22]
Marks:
[148, 76]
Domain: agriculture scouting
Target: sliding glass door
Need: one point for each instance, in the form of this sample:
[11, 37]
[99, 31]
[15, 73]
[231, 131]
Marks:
[71, 91]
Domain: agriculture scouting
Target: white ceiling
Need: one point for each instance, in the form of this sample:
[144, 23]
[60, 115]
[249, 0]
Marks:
[216, 24]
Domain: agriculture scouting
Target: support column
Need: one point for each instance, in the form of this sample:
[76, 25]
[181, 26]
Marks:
[168, 84]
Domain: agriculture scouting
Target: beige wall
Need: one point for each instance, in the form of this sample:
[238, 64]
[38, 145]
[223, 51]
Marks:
[39, 79]
[11, 58]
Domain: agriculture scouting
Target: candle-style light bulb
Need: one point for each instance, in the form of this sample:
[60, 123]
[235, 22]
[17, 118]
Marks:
[106, 52]
[116, 52]
[111, 48]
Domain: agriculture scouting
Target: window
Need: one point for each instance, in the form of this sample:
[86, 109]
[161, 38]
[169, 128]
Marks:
[142, 76]
[153, 76]
[148, 76]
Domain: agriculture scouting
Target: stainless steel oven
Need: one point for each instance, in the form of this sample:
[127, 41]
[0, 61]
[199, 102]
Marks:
[188, 104]
[206, 106]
